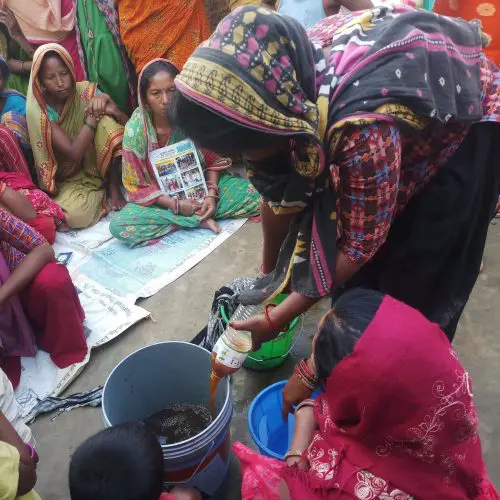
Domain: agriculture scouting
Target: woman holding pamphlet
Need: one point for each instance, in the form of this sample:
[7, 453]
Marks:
[170, 183]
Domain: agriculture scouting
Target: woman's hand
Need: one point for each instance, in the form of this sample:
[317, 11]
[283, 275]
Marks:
[187, 208]
[294, 392]
[305, 426]
[97, 106]
[113, 111]
[259, 327]
[8, 19]
[208, 209]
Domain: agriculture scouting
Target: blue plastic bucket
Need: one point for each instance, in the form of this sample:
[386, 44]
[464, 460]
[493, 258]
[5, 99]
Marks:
[166, 373]
[269, 431]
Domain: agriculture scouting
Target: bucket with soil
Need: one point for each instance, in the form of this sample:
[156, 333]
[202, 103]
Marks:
[166, 386]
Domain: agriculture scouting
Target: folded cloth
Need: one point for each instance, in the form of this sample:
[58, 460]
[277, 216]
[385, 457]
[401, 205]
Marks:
[226, 296]
[67, 403]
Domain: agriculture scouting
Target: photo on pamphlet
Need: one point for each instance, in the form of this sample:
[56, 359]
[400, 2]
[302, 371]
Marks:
[192, 177]
[187, 161]
[178, 169]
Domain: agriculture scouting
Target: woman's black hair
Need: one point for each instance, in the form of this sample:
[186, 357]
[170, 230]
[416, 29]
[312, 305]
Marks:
[151, 71]
[211, 130]
[341, 328]
[48, 55]
[119, 463]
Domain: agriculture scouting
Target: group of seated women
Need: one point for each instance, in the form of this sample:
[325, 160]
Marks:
[63, 153]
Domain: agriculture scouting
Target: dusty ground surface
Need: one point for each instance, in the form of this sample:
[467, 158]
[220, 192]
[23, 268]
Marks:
[180, 310]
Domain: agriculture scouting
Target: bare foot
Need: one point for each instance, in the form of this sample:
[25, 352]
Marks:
[212, 225]
[116, 199]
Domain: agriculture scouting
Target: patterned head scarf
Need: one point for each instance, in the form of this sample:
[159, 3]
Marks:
[258, 69]
[261, 71]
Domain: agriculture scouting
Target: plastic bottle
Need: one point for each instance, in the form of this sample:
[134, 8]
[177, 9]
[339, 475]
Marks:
[233, 346]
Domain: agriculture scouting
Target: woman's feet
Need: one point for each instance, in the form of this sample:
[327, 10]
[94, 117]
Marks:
[115, 198]
[212, 225]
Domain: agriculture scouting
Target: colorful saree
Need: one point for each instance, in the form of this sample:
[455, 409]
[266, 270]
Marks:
[13, 111]
[488, 12]
[397, 421]
[261, 70]
[77, 188]
[141, 221]
[45, 21]
[151, 29]
[15, 174]
[50, 301]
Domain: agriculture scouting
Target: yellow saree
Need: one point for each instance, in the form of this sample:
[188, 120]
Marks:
[78, 188]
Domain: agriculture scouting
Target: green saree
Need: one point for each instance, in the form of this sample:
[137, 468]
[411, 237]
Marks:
[105, 65]
[141, 221]
[137, 225]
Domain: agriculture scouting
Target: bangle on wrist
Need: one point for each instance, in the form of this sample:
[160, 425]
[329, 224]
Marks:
[293, 453]
[305, 375]
[307, 403]
[214, 187]
[177, 206]
[271, 323]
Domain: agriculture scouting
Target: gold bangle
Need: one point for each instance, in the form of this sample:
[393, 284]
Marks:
[291, 453]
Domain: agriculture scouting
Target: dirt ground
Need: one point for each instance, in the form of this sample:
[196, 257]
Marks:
[181, 310]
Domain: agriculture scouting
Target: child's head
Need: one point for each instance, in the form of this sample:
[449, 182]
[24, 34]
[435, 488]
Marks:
[123, 463]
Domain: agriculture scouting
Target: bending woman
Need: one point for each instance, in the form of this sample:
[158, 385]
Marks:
[75, 138]
[396, 419]
[152, 214]
[54, 316]
[377, 159]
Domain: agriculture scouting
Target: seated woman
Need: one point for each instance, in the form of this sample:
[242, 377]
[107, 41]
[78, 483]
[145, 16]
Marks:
[75, 138]
[50, 304]
[153, 214]
[14, 172]
[396, 418]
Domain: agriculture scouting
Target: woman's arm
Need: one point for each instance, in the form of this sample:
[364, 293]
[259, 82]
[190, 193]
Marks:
[75, 148]
[102, 105]
[19, 67]
[27, 467]
[8, 19]
[376, 182]
[16, 203]
[26, 271]
[305, 427]
[209, 206]
[275, 229]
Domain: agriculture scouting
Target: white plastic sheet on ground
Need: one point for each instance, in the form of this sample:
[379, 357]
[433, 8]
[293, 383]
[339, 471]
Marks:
[109, 278]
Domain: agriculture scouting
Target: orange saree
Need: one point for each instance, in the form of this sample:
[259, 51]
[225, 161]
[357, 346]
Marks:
[171, 30]
[487, 11]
